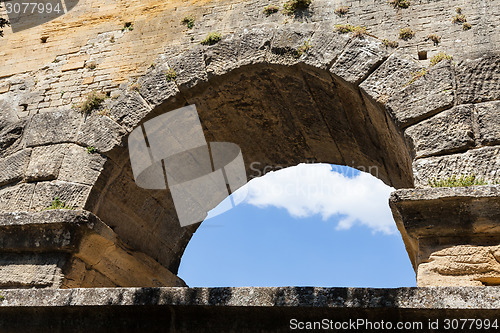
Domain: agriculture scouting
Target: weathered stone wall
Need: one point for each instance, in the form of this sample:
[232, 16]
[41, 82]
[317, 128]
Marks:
[347, 100]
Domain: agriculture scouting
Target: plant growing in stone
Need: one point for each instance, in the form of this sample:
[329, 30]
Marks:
[454, 181]
[303, 48]
[171, 74]
[399, 3]
[440, 57]
[92, 102]
[459, 18]
[434, 38]
[91, 65]
[271, 9]
[58, 204]
[466, 26]
[91, 150]
[406, 34]
[212, 38]
[341, 11]
[417, 76]
[128, 26]
[357, 31]
[292, 6]
[390, 43]
[188, 21]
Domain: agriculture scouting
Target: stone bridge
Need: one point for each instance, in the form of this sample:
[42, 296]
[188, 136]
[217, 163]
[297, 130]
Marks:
[285, 88]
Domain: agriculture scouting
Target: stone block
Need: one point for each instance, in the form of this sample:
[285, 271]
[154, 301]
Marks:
[53, 127]
[424, 96]
[482, 162]
[80, 166]
[445, 133]
[478, 80]
[326, 46]
[254, 45]
[488, 122]
[285, 44]
[16, 198]
[74, 195]
[46, 162]
[360, 57]
[100, 132]
[389, 78]
[189, 66]
[156, 88]
[12, 167]
[129, 109]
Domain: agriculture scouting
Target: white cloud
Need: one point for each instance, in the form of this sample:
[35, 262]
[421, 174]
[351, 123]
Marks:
[307, 190]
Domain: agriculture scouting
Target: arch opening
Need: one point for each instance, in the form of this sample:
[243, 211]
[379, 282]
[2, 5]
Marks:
[279, 116]
[310, 225]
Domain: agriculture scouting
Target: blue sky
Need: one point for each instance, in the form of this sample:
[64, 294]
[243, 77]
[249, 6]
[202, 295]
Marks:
[310, 225]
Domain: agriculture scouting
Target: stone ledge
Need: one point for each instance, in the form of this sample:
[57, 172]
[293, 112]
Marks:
[96, 257]
[401, 298]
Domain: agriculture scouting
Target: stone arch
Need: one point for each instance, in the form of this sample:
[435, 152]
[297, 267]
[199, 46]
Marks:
[345, 100]
[281, 108]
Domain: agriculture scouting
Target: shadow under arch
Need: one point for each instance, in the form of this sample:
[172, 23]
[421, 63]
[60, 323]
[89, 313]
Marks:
[279, 115]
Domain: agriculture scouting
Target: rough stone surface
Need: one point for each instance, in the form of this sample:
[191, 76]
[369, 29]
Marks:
[445, 133]
[53, 127]
[16, 197]
[424, 96]
[478, 80]
[45, 162]
[74, 195]
[80, 166]
[100, 132]
[12, 168]
[285, 88]
[360, 57]
[451, 233]
[488, 122]
[66, 249]
[482, 162]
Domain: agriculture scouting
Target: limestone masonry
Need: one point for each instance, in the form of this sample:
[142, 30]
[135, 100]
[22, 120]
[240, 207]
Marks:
[284, 88]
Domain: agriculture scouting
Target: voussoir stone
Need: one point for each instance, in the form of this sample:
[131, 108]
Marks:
[223, 56]
[360, 57]
[16, 198]
[100, 132]
[286, 43]
[12, 167]
[53, 127]
[46, 162]
[254, 45]
[446, 132]
[326, 46]
[128, 109]
[189, 67]
[389, 77]
[422, 97]
[155, 87]
[80, 166]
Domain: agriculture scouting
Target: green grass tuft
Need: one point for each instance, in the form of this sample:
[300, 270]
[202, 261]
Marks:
[212, 38]
[58, 204]
[453, 181]
[440, 57]
[292, 6]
